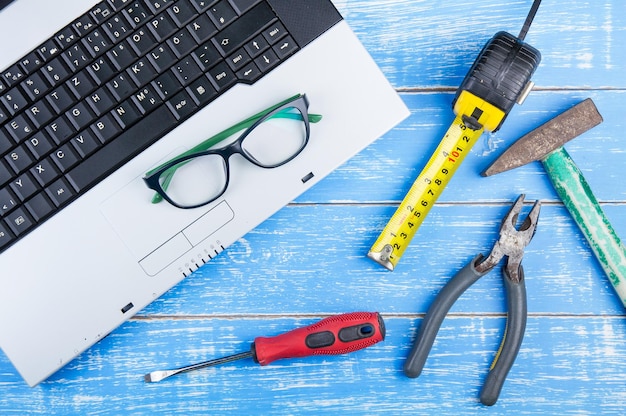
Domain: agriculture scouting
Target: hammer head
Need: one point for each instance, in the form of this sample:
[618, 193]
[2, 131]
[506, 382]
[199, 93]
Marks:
[550, 136]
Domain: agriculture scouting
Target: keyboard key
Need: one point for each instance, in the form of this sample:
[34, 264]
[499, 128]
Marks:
[76, 57]
[96, 42]
[121, 86]
[202, 28]
[80, 116]
[182, 43]
[19, 221]
[126, 113]
[13, 75]
[222, 76]
[60, 192]
[55, 71]
[39, 206]
[249, 73]
[106, 128]
[167, 84]
[186, 70]
[285, 47]
[162, 57]
[44, 172]
[117, 27]
[14, 101]
[222, 14]
[182, 12]
[48, 50]
[35, 86]
[243, 6]
[60, 99]
[8, 201]
[31, 62]
[207, 55]
[85, 143]
[40, 145]
[256, 46]
[234, 36]
[65, 157]
[121, 55]
[101, 70]
[19, 159]
[101, 12]
[20, 128]
[81, 84]
[24, 186]
[142, 72]
[158, 5]
[60, 130]
[101, 101]
[40, 113]
[83, 24]
[142, 41]
[203, 91]
[182, 105]
[6, 236]
[147, 99]
[137, 13]
[162, 26]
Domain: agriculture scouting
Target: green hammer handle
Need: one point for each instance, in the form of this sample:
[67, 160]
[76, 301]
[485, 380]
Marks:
[576, 194]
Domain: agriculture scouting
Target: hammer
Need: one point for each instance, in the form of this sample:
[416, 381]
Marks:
[546, 144]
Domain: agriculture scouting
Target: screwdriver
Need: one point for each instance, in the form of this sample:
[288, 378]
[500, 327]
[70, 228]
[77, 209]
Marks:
[335, 335]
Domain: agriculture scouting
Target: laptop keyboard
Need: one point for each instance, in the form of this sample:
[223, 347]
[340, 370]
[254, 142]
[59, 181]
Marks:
[110, 84]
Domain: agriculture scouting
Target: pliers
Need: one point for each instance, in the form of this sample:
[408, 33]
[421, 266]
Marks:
[511, 244]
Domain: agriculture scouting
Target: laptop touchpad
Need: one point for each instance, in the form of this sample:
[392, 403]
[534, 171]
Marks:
[158, 234]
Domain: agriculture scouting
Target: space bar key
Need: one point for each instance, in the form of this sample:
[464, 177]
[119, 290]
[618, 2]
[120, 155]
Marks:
[123, 148]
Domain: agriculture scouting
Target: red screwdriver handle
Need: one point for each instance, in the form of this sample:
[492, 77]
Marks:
[335, 335]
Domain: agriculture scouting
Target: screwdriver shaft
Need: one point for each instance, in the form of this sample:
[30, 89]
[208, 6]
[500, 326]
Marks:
[162, 374]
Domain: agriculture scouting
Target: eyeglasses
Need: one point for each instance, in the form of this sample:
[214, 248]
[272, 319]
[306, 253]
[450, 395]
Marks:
[200, 175]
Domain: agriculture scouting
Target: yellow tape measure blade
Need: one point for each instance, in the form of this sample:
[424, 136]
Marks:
[399, 231]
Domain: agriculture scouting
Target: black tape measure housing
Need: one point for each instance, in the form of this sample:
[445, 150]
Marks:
[501, 71]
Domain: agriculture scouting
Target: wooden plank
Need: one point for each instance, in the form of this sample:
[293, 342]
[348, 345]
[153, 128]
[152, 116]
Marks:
[567, 365]
[432, 43]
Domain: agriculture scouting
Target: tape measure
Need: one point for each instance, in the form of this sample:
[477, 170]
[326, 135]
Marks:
[456, 144]
[499, 78]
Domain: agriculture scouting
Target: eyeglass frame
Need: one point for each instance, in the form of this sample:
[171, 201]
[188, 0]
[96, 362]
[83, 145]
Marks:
[152, 177]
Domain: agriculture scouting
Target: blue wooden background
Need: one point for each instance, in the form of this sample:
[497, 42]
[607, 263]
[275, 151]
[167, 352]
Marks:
[308, 261]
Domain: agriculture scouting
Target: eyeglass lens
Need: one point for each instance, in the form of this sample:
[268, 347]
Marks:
[199, 180]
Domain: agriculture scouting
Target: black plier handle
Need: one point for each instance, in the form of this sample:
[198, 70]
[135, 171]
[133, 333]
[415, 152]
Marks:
[511, 245]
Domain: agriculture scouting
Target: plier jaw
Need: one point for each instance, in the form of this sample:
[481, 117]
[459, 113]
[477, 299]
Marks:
[512, 241]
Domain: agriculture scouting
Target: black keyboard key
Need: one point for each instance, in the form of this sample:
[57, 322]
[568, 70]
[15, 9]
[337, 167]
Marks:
[207, 55]
[35, 86]
[106, 128]
[137, 13]
[60, 192]
[24, 186]
[44, 172]
[19, 221]
[8, 201]
[147, 99]
[126, 113]
[182, 43]
[234, 36]
[60, 130]
[65, 157]
[203, 90]
[122, 87]
[101, 12]
[201, 5]
[39, 206]
[182, 12]
[14, 101]
[81, 84]
[128, 144]
[101, 101]
[79, 115]
[157, 6]
[101, 70]
[122, 55]
[182, 105]
[162, 26]
[117, 27]
[13, 75]
[20, 128]
[162, 57]
[76, 57]
[19, 158]
[48, 50]
[238, 60]
[222, 14]
[243, 6]
[186, 70]
[85, 143]
[202, 28]
[55, 71]
[40, 113]
[96, 42]
[142, 72]
[285, 47]
[60, 99]
[167, 84]
[249, 74]
[142, 41]
[66, 37]
[6, 236]
[5, 142]
[40, 145]
[222, 76]
[83, 25]
[256, 46]
[31, 62]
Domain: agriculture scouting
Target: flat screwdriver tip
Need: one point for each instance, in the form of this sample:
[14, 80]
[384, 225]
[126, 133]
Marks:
[157, 376]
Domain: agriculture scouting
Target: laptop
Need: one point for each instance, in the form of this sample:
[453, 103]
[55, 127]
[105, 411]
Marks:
[93, 95]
